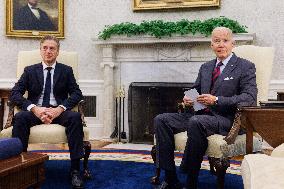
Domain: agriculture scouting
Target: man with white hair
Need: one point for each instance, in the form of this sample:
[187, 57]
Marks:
[224, 84]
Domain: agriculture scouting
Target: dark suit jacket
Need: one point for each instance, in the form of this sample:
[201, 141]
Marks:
[236, 86]
[65, 89]
[24, 19]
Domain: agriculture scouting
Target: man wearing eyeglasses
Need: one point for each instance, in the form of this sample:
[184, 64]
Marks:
[223, 84]
[30, 17]
[52, 93]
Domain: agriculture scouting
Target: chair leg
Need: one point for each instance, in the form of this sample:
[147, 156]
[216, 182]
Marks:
[87, 150]
[218, 167]
[211, 163]
[155, 179]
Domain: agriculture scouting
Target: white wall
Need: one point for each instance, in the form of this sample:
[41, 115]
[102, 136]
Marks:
[84, 19]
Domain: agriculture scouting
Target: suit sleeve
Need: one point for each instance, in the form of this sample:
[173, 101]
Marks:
[197, 83]
[46, 24]
[17, 22]
[75, 94]
[19, 90]
[248, 90]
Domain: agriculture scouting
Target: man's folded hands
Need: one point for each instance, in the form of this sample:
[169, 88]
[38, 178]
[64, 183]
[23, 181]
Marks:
[47, 115]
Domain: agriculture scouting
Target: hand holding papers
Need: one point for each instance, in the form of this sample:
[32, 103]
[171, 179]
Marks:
[193, 94]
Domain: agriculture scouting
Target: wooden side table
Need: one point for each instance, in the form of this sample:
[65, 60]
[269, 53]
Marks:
[22, 171]
[4, 95]
[267, 122]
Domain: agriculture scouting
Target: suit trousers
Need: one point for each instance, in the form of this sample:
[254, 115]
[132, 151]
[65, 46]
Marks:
[72, 121]
[198, 127]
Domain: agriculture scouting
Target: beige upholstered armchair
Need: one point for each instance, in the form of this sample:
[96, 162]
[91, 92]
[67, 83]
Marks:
[222, 148]
[53, 133]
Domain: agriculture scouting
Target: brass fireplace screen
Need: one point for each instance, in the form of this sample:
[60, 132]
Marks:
[169, 4]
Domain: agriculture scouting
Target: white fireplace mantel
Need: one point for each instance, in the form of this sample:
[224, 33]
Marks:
[146, 39]
[148, 49]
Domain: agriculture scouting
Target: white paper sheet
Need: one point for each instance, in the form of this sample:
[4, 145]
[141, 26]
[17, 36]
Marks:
[193, 94]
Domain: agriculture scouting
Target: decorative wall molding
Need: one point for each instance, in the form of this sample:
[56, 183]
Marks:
[88, 87]
[7, 83]
[274, 87]
[146, 39]
[91, 87]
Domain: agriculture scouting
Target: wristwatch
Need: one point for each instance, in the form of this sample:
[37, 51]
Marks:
[216, 100]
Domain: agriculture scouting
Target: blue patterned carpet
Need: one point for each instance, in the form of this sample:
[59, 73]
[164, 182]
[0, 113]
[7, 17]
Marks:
[124, 169]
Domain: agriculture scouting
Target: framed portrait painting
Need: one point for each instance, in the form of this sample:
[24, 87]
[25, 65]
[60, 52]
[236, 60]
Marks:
[139, 5]
[34, 18]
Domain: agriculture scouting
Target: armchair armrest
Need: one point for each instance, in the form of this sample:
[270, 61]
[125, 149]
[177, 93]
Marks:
[233, 133]
[10, 114]
[81, 111]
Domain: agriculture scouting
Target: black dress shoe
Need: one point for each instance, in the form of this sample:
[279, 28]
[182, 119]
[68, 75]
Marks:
[166, 185]
[76, 180]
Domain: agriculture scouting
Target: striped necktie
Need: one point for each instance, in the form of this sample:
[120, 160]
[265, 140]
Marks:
[216, 74]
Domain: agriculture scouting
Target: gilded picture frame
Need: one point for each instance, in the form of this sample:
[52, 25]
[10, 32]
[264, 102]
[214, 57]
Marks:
[34, 18]
[139, 5]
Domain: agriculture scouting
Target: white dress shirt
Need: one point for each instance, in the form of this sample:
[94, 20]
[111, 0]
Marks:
[225, 62]
[52, 98]
[34, 11]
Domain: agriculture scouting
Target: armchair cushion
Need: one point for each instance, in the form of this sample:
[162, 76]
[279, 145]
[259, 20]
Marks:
[52, 134]
[218, 147]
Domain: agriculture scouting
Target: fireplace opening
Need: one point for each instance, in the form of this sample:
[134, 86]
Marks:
[148, 99]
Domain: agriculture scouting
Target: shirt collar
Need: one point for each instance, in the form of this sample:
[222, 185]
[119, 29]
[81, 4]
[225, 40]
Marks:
[45, 66]
[225, 62]
[30, 6]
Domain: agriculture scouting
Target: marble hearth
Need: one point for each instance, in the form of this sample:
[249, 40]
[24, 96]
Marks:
[148, 59]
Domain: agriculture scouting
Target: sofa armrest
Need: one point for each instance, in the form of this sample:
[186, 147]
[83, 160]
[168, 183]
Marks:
[262, 171]
[278, 151]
